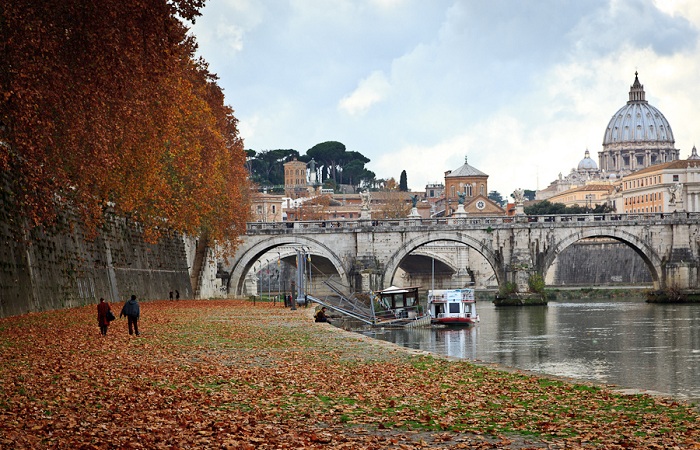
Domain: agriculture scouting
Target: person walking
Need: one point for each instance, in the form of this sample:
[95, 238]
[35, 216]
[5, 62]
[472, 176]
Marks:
[177, 294]
[132, 311]
[102, 310]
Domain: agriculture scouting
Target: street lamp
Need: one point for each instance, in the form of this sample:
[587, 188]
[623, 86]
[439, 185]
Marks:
[260, 278]
[267, 267]
[279, 274]
[301, 277]
[308, 260]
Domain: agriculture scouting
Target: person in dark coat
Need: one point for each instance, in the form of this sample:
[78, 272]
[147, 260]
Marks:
[321, 315]
[102, 309]
[132, 311]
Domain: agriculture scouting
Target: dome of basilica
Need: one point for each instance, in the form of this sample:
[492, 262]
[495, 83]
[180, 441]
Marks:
[587, 163]
[638, 121]
[637, 136]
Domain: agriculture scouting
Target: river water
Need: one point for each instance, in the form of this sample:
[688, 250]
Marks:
[624, 342]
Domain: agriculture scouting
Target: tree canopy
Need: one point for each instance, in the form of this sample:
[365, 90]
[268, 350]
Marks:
[546, 207]
[497, 198]
[267, 166]
[104, 104]
[342, 166]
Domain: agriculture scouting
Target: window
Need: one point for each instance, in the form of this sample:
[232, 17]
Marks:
[675, 178]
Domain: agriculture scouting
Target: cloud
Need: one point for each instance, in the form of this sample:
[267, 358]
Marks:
[637, 23]
[371, 90]
[222, 29]
[522, 89]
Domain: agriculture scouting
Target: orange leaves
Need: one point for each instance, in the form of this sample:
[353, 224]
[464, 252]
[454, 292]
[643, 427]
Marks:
[232, 375]
[105, 102]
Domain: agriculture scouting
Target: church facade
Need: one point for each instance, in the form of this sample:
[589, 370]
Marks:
[468, 186]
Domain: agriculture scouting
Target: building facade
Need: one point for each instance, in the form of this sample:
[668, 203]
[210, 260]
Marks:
[296, 182]
[266, 207]
[669, 187]
[588, 196]
[469, 186]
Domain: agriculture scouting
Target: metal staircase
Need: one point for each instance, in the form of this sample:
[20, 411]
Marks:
[349, 305]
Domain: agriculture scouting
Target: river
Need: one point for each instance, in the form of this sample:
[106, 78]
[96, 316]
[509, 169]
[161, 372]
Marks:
[623, 342]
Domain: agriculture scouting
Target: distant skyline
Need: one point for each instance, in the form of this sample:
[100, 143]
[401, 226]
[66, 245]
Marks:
[522, 89]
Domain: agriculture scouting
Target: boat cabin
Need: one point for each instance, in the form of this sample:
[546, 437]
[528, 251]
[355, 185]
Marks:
[452, 306]
[403, 302]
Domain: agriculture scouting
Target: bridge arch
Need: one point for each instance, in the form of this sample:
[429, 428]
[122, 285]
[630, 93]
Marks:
[434, 255]
[395, 259]
[245, 260]
[648, 255]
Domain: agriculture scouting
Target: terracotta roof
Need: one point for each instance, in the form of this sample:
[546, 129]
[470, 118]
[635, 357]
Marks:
[678, 164]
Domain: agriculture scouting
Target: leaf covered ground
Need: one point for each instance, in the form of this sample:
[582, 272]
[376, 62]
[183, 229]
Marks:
[230, 374]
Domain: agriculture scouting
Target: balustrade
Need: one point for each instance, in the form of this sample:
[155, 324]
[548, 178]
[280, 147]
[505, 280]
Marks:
[599, 219]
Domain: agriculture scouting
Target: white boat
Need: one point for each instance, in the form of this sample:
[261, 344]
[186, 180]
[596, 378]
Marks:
[452, 306]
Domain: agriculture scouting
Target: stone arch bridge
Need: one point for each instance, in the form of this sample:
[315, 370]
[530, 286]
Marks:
[366, 254]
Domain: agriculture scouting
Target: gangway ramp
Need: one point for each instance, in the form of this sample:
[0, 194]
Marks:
[349, 305]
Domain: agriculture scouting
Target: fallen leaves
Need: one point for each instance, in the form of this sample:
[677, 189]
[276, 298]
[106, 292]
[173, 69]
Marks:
[228, 374]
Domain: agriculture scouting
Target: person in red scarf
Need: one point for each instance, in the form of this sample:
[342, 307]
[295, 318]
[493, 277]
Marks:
[102, 321]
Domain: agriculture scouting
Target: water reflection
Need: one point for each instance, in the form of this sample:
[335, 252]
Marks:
[628, 342]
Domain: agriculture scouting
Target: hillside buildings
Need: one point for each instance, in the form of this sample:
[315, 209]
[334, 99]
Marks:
[304, 198]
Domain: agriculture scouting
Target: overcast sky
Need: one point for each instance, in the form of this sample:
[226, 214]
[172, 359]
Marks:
[522, 88]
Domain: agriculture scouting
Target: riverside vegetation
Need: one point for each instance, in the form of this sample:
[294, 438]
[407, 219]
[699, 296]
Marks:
[230, 374]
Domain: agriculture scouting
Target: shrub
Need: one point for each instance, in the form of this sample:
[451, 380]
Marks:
[536, 283]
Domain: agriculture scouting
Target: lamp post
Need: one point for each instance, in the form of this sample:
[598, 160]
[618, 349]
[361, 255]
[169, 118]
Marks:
[279, 274]
[308, 260]
[301, 275]
[267, 267]
[260, 278]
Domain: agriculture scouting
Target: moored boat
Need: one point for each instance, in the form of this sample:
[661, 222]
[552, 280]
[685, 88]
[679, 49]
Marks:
[399, 306]
[452, 306]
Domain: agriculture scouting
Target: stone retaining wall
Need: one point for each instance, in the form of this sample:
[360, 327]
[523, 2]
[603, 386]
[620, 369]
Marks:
[40, 272]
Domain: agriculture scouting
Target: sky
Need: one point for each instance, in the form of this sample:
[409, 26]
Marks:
[520, 88]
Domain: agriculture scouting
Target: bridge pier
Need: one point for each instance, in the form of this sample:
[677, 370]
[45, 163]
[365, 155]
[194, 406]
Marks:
[680, 271]
[366, 275]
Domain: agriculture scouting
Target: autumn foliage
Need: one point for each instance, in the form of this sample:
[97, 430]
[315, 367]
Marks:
[230, 374]
[104, 105]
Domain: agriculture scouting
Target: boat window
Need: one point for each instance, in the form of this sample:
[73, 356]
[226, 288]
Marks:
[454, 308]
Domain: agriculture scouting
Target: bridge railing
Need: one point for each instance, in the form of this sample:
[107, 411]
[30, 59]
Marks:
[343, 224]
